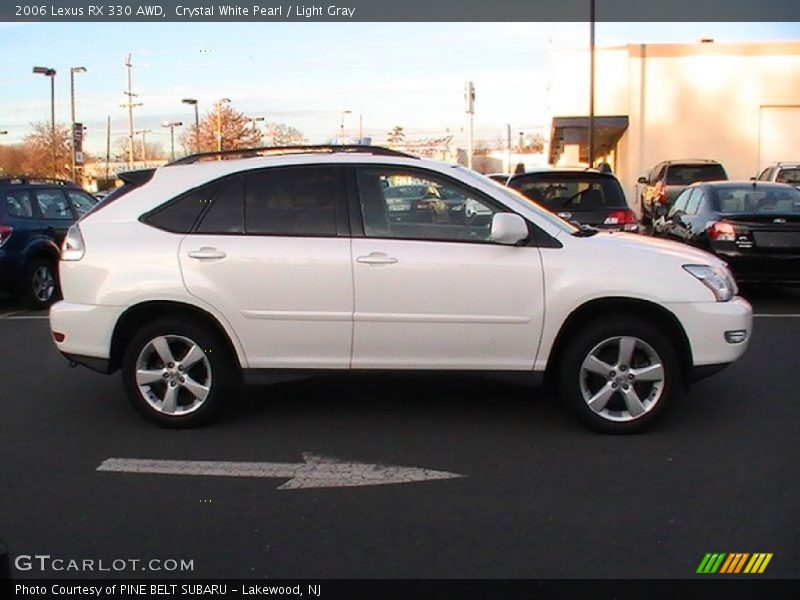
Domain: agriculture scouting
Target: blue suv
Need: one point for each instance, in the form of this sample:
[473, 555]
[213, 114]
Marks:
[34, 217]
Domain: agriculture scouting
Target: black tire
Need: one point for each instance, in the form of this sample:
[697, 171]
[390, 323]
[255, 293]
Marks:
[213, 368]
[577, 385]
[40, 286]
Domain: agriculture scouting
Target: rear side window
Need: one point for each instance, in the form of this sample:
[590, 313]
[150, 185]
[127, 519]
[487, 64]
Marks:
[688, 174]
[19, 204]
[82, 203]
[226, 213]
[53, 205]
[180, 215]
[292, 201]
[575, 194]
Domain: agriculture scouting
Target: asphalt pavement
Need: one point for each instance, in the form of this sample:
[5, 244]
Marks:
[538, 496]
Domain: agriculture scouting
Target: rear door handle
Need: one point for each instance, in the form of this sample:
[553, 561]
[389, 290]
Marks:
[377, 258]
[206, 253]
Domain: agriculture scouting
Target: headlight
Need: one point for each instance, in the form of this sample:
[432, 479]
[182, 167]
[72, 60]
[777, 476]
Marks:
[718, 279]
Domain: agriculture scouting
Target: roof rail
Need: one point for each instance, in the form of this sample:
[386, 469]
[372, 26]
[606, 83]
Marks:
[33, 179]
[280, 150]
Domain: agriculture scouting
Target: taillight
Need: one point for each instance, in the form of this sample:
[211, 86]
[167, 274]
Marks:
[661, 193]
[721, 231]
[58, 336]
[73, 247]
[626, 218]
[5, 233]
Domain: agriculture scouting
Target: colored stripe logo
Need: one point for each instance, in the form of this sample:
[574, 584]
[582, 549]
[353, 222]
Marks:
[734, 563]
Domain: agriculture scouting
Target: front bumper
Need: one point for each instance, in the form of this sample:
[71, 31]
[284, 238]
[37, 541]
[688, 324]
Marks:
[706, 325]
[87, 330]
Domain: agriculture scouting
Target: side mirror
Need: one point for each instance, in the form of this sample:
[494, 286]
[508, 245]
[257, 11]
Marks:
[508, 229]
[642, 180]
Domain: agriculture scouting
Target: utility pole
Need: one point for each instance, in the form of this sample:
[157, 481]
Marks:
[108, 144]
[508, 148]
[130, 104]
[469, 97]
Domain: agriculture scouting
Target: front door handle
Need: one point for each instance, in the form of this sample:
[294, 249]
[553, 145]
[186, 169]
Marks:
[377, 258]
[206, 252]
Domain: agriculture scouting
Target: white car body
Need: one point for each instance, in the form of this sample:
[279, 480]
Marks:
[323, 303]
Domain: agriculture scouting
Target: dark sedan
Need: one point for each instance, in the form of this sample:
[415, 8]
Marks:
[754, 226]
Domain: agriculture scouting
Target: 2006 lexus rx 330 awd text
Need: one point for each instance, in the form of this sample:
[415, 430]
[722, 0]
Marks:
[198, 273]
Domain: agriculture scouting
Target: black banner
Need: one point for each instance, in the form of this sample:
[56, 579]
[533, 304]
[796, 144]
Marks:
[397, 10]
[442, 589]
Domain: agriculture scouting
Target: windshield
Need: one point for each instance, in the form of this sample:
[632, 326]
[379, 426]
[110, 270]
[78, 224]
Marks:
[761, 200]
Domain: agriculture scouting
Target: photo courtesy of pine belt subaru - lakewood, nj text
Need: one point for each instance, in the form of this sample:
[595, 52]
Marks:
[219, 267]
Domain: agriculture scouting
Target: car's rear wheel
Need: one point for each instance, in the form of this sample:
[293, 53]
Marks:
[41, 284]
[619, 375]
[177, 373]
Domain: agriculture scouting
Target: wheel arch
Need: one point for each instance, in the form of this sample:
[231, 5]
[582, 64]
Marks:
[653, 313]
[132, 318]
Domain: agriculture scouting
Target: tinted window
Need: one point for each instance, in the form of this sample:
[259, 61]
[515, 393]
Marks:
[226, 214]
[788, 175]
[82, 203]
[688, 174]
[179, 215]
[18, 204]
[53, 205]
[571, 193]
[294, 201]
[436, 210]
[770, 200]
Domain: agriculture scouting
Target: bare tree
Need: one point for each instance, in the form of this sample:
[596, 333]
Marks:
[280, 134]
[397, 135]
[38, 148]
[236, 129]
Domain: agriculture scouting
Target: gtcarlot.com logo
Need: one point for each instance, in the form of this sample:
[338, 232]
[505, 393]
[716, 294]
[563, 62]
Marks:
[734, 563]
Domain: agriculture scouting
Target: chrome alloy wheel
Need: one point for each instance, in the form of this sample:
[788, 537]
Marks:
[173, 375]
[622, 378]
[43, 283]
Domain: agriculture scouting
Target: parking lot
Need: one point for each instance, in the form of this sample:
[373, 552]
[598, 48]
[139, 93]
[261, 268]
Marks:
[536, 497]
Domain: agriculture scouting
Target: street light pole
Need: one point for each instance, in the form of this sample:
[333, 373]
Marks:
[144, 132]
[51, 73]
[193, 102]
[341, 125]
[72, 71]
[172, 125]
[219, 122]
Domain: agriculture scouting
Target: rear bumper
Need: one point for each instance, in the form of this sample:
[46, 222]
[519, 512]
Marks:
[87, 331]
[706, 325]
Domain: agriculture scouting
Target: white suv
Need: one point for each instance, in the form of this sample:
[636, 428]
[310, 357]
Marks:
[201, 272]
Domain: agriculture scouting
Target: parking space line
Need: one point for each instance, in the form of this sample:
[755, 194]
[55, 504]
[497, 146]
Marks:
[778, 315]
[18, 317]
[13, 312]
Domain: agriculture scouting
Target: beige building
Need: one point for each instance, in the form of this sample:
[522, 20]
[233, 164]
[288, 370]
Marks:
[735, 103]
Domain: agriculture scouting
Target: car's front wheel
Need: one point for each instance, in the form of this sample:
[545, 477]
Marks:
[619, 375]
[177, 373]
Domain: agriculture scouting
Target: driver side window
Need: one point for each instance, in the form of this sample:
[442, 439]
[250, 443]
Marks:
[410, 204]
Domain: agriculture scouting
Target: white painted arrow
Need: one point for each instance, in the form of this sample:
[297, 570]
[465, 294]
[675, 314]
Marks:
[314, 472]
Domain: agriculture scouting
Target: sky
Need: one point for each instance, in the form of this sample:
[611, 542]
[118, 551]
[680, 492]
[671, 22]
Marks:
[306, 74]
